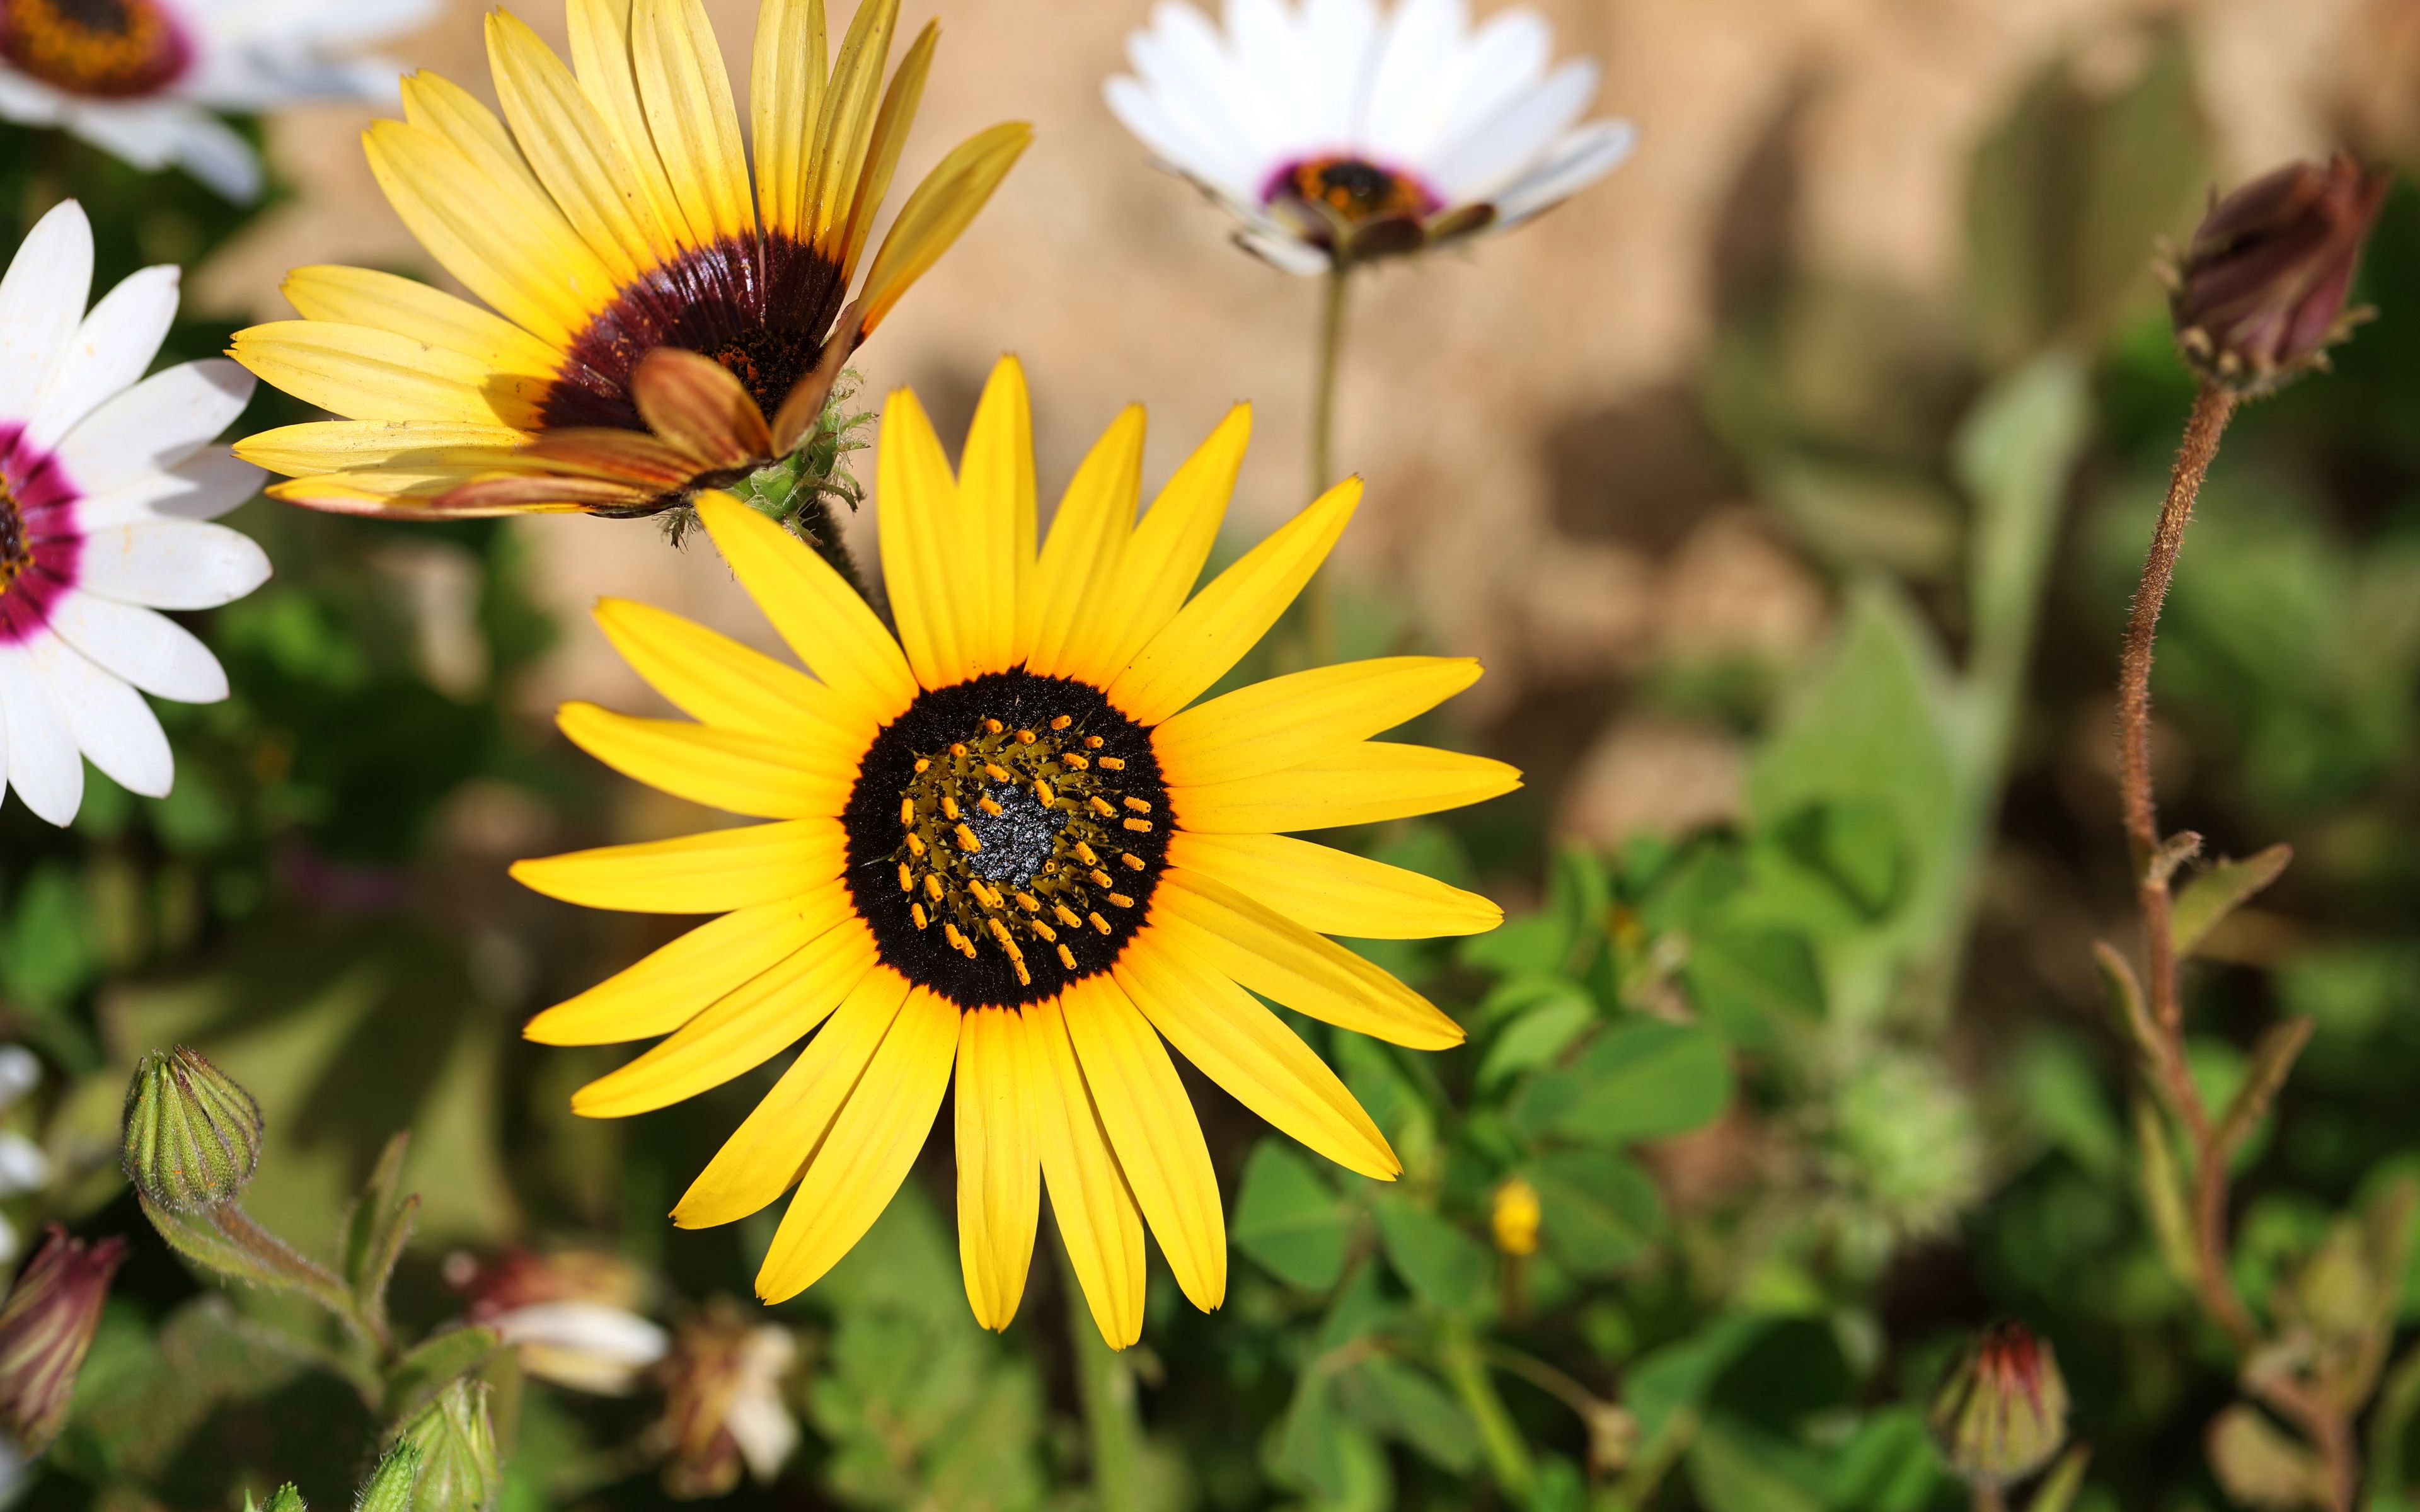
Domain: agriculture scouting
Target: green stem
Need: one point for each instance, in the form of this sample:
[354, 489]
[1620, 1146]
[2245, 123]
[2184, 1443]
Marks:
[1318, 604]
[1465, 1370]
[2397, 1403]
[1105, 1385]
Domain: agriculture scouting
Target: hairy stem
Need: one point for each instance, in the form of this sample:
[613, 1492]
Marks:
[1105, 1385]
[1508, 1456]
[1318, 604]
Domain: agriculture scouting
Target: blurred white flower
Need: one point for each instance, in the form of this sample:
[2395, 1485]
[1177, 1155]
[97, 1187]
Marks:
[570, 1313]
[143, 78]
[107, 484]
[24, 1167]
[1337, 135]
[723, 1403]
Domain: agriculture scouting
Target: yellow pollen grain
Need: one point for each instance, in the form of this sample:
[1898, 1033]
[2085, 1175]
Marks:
[1098, 922]
[1122, 900]
[907, 810]
[933, 887]
[994, 726]
[1113, 764]
[916, 912]
[990, 807]
[906, 878]
[1024, 977]
[1134, 862]
[950, 808]
[923, 764]
[1061, 722]
[1065, 916]
[967, 843]
[1140, 827]
[957, 941]
[915, 843]
[1087, 854]
[1029, 902]
[1073, 760]
[984, 895]
[996, 772]
[1041, 791]
[957, 748]
[1025, 737]
[1092, 742]
[1067, 958]
[1098, 806]
[1100, 878]
[1000, 933]
[1043, 930]
[1140, 804]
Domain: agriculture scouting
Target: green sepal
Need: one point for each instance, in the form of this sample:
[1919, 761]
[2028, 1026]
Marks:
[391, 1486]
[2206, 901]
[377, 1227]
[421, 1375]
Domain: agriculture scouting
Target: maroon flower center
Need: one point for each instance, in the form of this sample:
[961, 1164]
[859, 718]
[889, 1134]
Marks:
[1353, 190]
[16, 549]
[105, 49]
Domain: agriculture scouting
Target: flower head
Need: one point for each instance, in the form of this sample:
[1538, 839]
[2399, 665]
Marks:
[2258, 295]
[191, 1136]
[143, 79]
[572, 1315]
[1337, 135]
[723, 1409]
[46, 1325]
[107, 485]
[650, 311]
[1514, 1217]
[1004, 847]
[2001, 1414]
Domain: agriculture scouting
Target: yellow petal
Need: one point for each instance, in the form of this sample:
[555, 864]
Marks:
[383, 302]
[916, 509]
[1095, 1210]
[1211, 634]
[363, 374]
[995, 525]
[672, 986]
[873, 1141]
[1285, 721]
[1157, 566]
[817, 612]
[845, 122]
[572, 150]
[1279, 959]
[714, 678]
[708, 874]
[765, 1154]
[742, 1030]
[505, 239]
[333, 445]
[1095, 516]
[1360, 784]
[437, 105]
[600, 55]
[728, 769]
[889, 134]
[785, 92]
[1152, 1127]
[1000, 1160]
[696, 128]
[944, 205]
[1244, 1047]
[1332, 891]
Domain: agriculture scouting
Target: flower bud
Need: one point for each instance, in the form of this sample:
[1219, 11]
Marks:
[2001, 1414]
[46, 1325]
[193, 1136]
[1514, 1217]
[456, 1443]
[392, 1485]
[2259, 293]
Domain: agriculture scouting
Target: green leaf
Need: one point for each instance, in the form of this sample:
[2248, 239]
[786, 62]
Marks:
[2058, 1490]
[1599, 1211]
[1735, 1468]
[1533, 943]
[1674, 1379]
[1290, 1220]
[47, 951]
[1537, 1036]
[2063, 1098]
[1388, 1396]
[419, 1377]
[1888, 1465]
[1642, 1080]
[1745, 980]
[2206, 901]
[1444, 1267]
[377, 1227]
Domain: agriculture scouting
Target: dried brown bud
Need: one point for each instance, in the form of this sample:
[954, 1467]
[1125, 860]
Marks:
[723, 1408]
[46, 1325]
[2001, 1414]
[2259, 294]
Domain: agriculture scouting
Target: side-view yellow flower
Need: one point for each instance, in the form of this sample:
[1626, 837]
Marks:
[649, 312]
[1008, 843]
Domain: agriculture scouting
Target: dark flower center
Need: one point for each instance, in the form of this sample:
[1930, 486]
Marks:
[16, 551]
[769, 363]
[112, 49]
[1353, 190]
[1005, 836]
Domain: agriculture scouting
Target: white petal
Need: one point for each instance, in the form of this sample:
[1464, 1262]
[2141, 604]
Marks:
[41, 299]
[24, 1167]
[171, 564]
[1418, 72]
[1339, 39]
[1506, 57]
[147, 649]
[596, 1328]
[1274, 69]
[1144, 113]
[12, 1459]
[30, 100]
[21, 1072]
[1286, 252]
[1579, 160]
[203, 486]
[1186, 66]
[1507, 146]
[107, 353]
[43, 766]
[109, 721]
[213, 152]
[155, 424]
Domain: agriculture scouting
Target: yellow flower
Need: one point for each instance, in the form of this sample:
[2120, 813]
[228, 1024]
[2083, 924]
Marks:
[649, 313]
[1514, 1217]
[1004, 842]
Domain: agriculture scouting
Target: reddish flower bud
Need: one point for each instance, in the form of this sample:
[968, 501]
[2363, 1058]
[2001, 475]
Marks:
[2259, 293]
[46, 1325]
[2001, 1414]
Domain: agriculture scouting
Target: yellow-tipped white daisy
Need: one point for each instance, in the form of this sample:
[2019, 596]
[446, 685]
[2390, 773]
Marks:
[1010, 847]
[656, 325]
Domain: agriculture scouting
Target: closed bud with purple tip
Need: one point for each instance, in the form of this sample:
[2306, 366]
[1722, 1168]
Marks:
[2258, 294]
[2002, 1412]
[46, 1325]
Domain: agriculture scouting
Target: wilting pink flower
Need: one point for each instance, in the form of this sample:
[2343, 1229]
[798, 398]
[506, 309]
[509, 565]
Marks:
[2259, 293]
[572, 1313]
[46, 1325]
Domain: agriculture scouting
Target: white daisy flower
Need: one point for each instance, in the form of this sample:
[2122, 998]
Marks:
[142, 78]
[24, 1167]
[106, 487]
[1338, 135]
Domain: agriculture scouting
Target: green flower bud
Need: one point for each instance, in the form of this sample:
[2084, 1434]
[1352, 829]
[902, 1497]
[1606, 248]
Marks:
[456, 1443]
[193, 1136]
[286, 1498]
[46, 1326]
[2001, 1414]
[390, 1489]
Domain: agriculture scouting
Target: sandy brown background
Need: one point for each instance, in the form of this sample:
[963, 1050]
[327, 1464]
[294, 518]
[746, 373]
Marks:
[1479, 387]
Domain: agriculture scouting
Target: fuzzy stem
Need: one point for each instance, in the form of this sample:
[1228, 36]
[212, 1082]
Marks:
[821, 529]
[1319, 605]
[1507, 1456]
[307, 1276]
[1106, 1386]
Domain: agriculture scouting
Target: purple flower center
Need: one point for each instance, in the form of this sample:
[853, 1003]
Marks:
[40, 541]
